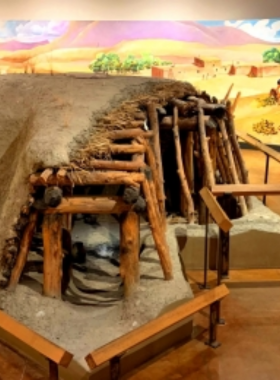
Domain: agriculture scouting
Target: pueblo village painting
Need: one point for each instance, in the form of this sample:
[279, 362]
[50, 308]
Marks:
[212, 55]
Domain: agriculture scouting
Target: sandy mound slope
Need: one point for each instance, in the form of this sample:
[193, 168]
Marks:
[43, 119]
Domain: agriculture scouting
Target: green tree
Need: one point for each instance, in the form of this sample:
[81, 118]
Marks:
[271, 55]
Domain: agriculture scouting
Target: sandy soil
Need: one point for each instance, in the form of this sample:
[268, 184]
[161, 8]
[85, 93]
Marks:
[83, 328]
[43, 119]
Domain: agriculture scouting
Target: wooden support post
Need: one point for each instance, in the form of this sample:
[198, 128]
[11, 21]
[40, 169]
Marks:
[228, 93]
[67, 218]
[154, 123]
[24, 250]
[205, 151]
[156, 186]
[224, 160]
[221, 168]
[180, 167]
[129, 251]
[232, 164]
[236, 100]
[188, 160]
[237, 152]
[157, 231]
[52, 240]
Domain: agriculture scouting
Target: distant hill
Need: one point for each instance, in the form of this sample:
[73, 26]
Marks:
[14, 45]
[110, 33]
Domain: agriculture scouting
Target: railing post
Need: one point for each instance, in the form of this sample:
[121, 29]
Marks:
[115, 367]
[266, 175]
[204, 285]
[213, 319]
[224, 248]
[53, 371]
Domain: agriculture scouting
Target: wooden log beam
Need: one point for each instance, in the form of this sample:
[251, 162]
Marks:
[90, 205]
[44, 176]
[154, 124]
[180, 168]
[216, 210]
[128, 166]
[187, 123]
[232, 167]
[213, 109]
[126, 148]
[52, 240]
[129, 251]
[83, 178]
[157, 231]
[124, 134]
[241, 189]
[25, 245]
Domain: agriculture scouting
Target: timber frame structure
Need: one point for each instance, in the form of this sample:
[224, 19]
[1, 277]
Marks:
[206, 153]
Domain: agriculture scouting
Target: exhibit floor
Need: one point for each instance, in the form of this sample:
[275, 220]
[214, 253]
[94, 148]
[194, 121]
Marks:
[250, 343]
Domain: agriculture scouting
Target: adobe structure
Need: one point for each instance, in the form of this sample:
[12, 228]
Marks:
[158, 141]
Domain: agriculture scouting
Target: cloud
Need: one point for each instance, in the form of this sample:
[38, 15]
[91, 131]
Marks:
[40, 30]
[266, 30]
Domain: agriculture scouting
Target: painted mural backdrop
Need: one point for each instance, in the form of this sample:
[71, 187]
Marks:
[210, 54]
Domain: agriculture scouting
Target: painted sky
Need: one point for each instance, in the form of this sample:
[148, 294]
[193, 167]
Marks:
[35, 31]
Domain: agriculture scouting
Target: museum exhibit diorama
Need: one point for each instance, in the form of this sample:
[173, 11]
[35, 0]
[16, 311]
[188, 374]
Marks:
[121, 169]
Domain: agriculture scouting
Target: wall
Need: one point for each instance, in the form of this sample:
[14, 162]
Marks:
[138, 9]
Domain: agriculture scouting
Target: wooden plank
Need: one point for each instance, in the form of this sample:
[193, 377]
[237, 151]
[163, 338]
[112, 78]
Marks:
[244, 189]
[90, 205]
[143, 333]
[35, 341]
[216, 210]
[259, 145]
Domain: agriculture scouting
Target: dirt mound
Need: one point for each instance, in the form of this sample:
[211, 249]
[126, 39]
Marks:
[46, 120]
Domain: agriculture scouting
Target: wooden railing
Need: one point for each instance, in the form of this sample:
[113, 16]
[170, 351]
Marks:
[56, 355]
[245, 189]
[112, 352]
[224, 223]
[267, 151]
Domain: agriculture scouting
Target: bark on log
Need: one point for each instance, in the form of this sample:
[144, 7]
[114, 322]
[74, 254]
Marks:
[90, 205]
[214, 109]
[128, 166]
[232, 167]
[180, 168]
[155, 185]
[157, 232]
[129, 251]
[153, 120]
[224, 159]
[221, 168]
[188, 160]
[25, 245]
[91, 178]
[52, 240]
[212, 143]
[237, 151]
[205, 152]
[188, 123]
[126, 149]
[124, 134]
